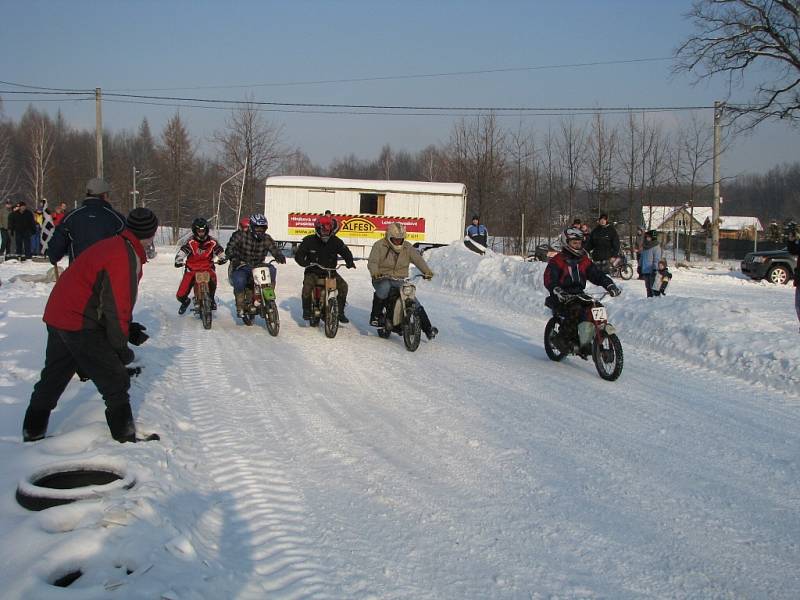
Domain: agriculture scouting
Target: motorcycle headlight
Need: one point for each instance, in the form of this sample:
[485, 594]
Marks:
[408, 290]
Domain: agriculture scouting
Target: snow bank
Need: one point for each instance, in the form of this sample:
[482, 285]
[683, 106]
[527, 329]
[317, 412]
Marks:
[715, 319]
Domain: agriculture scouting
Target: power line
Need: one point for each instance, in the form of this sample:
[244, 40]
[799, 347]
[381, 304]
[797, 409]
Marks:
[404, 77]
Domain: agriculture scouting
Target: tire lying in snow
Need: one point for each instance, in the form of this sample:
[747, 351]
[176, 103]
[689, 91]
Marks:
[64, 483]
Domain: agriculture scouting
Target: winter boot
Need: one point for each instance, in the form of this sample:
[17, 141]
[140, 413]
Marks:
[184, 304]
[213, 304]
[342, 317]
[425, 324]
[375, 313]
[34, 427]
[239, 296]
[120, 422]
[307, 308]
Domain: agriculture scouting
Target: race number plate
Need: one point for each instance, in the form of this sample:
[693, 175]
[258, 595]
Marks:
[599, 313]
[261, 276]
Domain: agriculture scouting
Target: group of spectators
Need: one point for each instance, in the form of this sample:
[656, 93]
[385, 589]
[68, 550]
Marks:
[21, 228]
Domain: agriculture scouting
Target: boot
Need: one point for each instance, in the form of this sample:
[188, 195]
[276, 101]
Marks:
[239, 296]
[184, 304]
[377, 305]
[34, 427]
[306, 308]
[342, 317]
[120, 422]
[425, 323]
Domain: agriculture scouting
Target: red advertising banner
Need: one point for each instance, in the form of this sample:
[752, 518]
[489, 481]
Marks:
[359, 226]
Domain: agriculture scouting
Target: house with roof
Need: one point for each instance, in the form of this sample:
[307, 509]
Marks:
[667, 219]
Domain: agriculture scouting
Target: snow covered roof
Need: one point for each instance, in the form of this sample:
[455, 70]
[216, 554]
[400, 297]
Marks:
[370, 185]
[661, 214]
[738, 223]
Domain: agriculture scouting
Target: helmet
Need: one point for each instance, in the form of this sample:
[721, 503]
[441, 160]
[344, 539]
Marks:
[198, 225]
[396, 231]
[571, 234]
[258, 226]
[324, 226]
[244, 223]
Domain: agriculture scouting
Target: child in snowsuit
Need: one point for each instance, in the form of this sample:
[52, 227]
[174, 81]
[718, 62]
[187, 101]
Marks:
[662, 279]
[198, 254]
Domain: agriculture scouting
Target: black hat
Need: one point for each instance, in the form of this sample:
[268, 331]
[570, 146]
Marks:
[476, 218]
[603, 216]
[142, 223]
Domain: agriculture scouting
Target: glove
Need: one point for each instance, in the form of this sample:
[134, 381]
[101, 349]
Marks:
[136, 334]
[560, 294]
[281, 259]
[222, 261]
[126, 356]
[428, 276]
[178, 265]
[351, 265]
[613, 291]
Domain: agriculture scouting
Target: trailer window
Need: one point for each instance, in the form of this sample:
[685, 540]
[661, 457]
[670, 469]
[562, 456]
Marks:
[372, 204]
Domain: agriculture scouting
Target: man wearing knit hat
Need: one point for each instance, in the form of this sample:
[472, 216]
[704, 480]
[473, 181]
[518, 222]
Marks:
[93, 221]
[89, 324]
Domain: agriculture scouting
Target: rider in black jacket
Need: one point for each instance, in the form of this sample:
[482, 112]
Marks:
[323, 248]
[603, 243]
[93, 221]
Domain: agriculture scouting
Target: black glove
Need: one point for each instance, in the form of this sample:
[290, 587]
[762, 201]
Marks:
[281, 259]
[136, 334]
[126, 356]
[613, 291]
[351, 265]
[222, 261]
[560, 294]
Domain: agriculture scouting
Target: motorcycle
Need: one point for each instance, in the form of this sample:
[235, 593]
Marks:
[325, 301]
[262, 299]
[619, 267]
[403, 318]
[202, 298]
[604, 346]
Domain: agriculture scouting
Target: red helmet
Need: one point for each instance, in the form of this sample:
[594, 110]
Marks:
[324, 226]
[244, 222]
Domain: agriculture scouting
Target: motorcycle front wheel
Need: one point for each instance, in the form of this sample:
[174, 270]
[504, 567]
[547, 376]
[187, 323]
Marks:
[411, 330]
[607, 355]
[271, 317]
[205, 311]
[626, 272]
[551, 330]
[332, 318]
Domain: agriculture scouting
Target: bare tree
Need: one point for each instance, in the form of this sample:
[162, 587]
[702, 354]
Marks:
[385, 161]
[601, 148]
[737, 38]
[431, 163]
[524, 176]
[176, 156]
[297, 162]
[39, 135]
[572, 148]
[252, 140]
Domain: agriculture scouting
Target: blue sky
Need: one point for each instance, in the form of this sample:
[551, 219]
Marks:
[150, 45]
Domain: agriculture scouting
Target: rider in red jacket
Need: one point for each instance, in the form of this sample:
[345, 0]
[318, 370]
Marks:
[198, 254]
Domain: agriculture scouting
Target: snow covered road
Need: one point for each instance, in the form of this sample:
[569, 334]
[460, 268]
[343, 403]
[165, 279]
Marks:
[300, 466]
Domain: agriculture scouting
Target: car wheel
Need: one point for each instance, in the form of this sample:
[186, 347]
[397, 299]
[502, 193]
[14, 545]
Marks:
[778, 274]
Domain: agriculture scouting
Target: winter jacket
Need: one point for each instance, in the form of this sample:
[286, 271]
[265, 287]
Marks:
[651, 254]
[313, 250]
[98, 290]
[22, 222]
[4, 215]
[479, 233]
[384, 261]
[93, 221]
[244, 249]
[198, 256]
[794, 248]
[603, 242]
[570, 272]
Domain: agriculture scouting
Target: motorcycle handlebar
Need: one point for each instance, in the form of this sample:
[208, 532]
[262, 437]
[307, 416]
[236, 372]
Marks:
[326, 268]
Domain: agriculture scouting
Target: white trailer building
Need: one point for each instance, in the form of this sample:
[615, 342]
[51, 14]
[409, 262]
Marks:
[433, 213]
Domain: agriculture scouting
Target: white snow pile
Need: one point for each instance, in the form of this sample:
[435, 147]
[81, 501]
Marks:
[715, 319]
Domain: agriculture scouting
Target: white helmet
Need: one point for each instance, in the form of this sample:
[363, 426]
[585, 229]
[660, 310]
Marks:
[396, 231]
[570, 234]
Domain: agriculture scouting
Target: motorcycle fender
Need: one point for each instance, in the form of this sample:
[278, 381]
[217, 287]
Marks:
[609, 329]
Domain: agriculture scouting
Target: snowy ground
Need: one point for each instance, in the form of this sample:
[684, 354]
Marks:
[302, 467]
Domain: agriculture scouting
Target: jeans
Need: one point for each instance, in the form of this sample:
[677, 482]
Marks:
[23, 243]
[243, 275]
[649, 279]
[382, 287]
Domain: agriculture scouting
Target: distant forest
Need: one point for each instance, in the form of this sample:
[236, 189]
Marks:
[576, 168]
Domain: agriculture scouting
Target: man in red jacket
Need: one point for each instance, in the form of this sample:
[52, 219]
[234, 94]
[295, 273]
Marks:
[88, 317]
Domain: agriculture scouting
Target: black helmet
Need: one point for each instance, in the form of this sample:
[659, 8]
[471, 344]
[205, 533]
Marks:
[200, 224]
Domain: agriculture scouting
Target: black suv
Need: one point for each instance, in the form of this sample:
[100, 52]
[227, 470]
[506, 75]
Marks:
[777, 266]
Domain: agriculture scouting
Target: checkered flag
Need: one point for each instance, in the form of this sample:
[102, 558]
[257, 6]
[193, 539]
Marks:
[47, 226]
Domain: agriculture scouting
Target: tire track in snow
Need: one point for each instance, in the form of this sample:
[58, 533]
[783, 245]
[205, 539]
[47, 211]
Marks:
[268, 522]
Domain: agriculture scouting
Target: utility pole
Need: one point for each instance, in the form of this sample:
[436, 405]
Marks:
[718, 108]
[98, 130]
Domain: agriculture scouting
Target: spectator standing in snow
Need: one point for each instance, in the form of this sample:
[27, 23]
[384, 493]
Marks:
[93, 221]
[22, 223]
[603, 243]
[478, 234]
[59, 213]
[651, 255]
[89, 324]
[793, 245]
[637, 248]
[5, 235]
